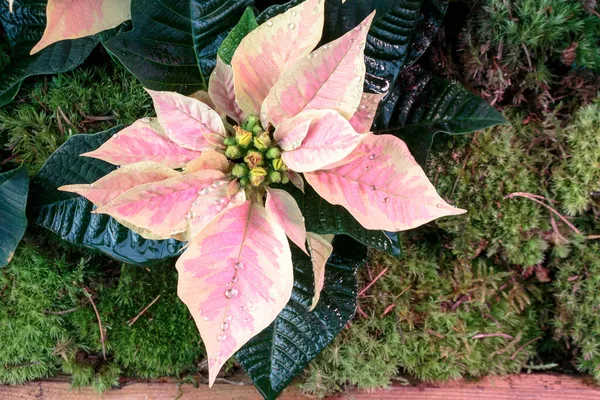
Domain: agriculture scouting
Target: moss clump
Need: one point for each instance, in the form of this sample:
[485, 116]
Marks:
[477, 176]
[577, 291]
[88, 99]
[577, 181]
[514, 49]
[423, 318]
[48, 325]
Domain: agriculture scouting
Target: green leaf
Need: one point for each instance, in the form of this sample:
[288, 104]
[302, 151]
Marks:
[24, 28]
[280, 352]
[246, 25]
[69, 215]
[324, 218]
[421, 105]
[14, 186]
[173, 45]
[401, 32]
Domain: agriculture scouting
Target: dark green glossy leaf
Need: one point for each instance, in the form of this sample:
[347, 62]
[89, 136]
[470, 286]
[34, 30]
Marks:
[400, 34]
[24, 28]
[324, 218]
[14, 186]
[280, 352]
[246, 25]
[422, 105]
[173, 45]
[69, 215]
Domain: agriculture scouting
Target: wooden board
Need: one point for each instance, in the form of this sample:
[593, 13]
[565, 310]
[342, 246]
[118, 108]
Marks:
[512, 387]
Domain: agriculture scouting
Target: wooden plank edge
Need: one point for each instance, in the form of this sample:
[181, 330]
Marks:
[510, 387]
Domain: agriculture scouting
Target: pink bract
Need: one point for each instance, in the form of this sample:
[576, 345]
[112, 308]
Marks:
[300, 113]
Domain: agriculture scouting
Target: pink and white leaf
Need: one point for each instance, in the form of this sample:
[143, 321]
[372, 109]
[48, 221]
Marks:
[74, 19]
[209, 159]
[212, 200]
[121, 180]
[296, 180]
[235, 277]
[273, 48]
[362, 120]
[187, 121]
[330, 78]
[221, 91]
[330, 138]
[144, 140]
[160, 208]
[282, 207]
[382, 186]
[290, 133]
[320, 250]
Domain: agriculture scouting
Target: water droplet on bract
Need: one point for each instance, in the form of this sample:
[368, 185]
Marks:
[372, 156]
[294, 13]
[371, 115]
[412, 158]
[229, 318]
[217, 353]
[438, 205]
[243, 308]
[145, 120]
[200, 311]
[204, 191]
[251, 308]
[224, 326]
[385, 199]
[220, 338]
[316, 9]
[291, 25]
[91, 185]
[373, 187]
[188, 216]
[206, 318]
[234, 279]
[247, 320]
[227, 284]
[367, 168]
[115, 136]
[216, 184]
[269, 23]
[238, 265]
[351, 40]
[231, 293]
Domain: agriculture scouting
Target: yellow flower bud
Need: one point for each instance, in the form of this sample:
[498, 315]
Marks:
[257, 176]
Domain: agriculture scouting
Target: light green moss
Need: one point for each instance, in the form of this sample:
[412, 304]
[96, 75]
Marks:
[33, 126]
[577, 181]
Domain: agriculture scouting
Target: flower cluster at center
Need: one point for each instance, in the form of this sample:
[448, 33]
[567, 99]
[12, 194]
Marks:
[255, 156]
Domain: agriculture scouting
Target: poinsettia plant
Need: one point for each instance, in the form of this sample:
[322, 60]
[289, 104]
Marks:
[214, 172]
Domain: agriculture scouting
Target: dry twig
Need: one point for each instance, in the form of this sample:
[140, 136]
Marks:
[132, 321]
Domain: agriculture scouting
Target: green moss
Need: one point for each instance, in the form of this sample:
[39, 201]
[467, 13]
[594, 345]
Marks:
[515, 50]
[423, 316]
[577, 291]
[92, 99]
[478, 177]
[41, 340]
[577, 181]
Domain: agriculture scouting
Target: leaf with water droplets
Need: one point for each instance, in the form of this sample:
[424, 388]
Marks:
[363, 118]
[382, 186]
[144, 140]
[157, 210]
[271, 49]
[220, 89]
[282, 207]
[329, 138]
[75, 19]
[187, 121]
[320, 249]
[283, 350]
[236, 274]
[246, 24]
[330, 78]
[121, 180]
